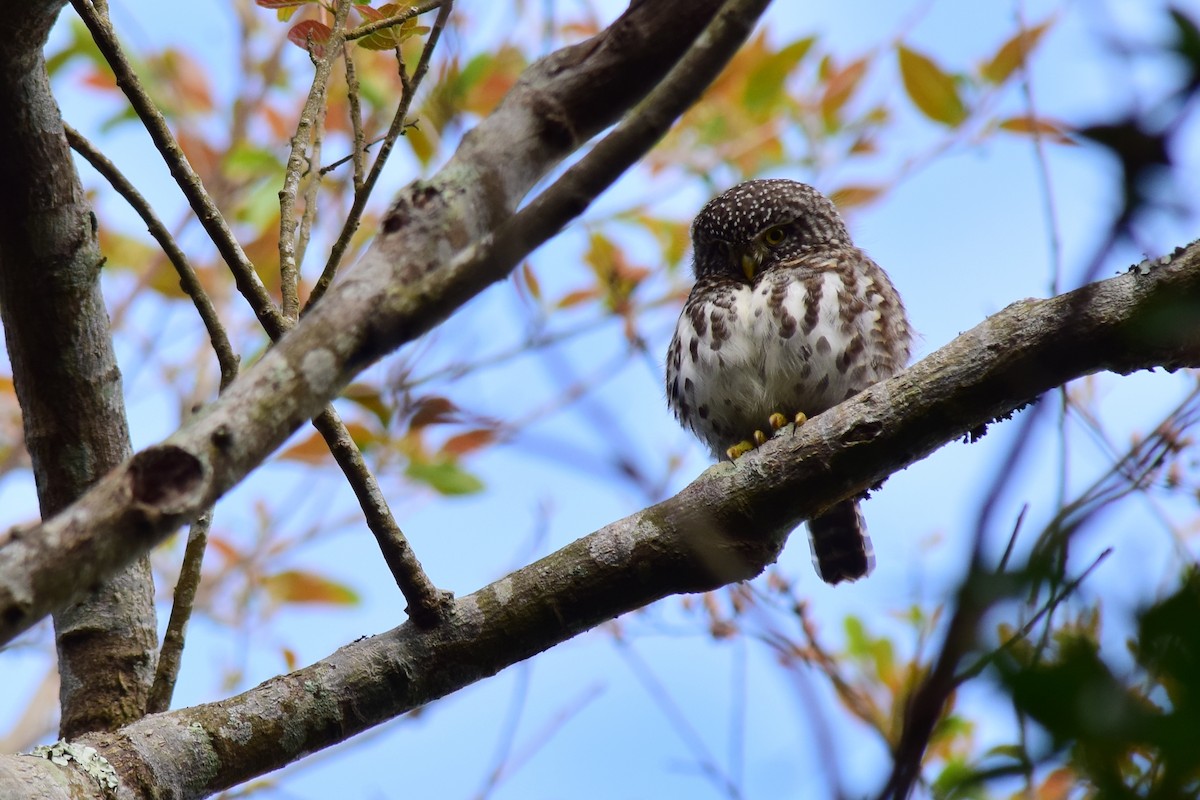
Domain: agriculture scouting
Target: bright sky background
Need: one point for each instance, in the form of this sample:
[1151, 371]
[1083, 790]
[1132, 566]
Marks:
[961, 239]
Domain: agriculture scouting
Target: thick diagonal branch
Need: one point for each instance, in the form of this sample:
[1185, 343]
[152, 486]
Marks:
[726, 526]
[406, 283]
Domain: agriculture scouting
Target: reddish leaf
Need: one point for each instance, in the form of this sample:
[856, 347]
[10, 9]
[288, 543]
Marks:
[931, 89]
[1013, 53]
[433, 411]
[310, 35]
[471, 440]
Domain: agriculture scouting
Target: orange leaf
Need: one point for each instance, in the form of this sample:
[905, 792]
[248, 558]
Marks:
[840, 88]
[848, 196]
[578, 296]
[1013, 53]
[309, 450]
[471, 440]
[931, 89]
[226, 548]
[1042, 127]
[531, 281]
[296, 586]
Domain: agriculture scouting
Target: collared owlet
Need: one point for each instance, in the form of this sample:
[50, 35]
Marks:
[787, 318]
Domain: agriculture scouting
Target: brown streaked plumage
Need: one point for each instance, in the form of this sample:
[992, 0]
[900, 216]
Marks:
[786, 315]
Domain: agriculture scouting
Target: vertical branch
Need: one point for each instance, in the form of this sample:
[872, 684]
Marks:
[307, 133]
[359, 204]
[359, 152]
[202, 204]
[65, 373]
[170, 656]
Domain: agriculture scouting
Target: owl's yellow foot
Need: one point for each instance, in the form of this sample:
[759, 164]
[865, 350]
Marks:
[800, 418]
[739, 449]
[777, 421]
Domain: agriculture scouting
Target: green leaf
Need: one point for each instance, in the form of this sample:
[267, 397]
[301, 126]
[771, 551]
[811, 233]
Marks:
[445, 477]
[765, 86]
[930, 88]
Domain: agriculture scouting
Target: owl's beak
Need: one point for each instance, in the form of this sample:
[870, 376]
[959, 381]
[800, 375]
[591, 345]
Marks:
[750, 259]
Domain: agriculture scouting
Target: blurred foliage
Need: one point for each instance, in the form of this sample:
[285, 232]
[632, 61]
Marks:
[855, 124]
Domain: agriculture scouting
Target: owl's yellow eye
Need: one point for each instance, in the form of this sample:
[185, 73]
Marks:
[773, 236]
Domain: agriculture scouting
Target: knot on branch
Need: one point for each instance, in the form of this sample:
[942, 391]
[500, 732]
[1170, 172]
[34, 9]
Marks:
[165, 477]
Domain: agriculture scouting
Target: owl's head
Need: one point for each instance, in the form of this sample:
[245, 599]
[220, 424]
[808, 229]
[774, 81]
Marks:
[760, 223]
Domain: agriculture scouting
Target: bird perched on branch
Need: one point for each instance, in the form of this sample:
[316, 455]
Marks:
[787, 319]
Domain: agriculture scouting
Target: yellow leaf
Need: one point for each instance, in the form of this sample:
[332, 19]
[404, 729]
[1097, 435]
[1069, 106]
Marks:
[930, 88]
[848, 196]
[1013, 53]
[297, 586]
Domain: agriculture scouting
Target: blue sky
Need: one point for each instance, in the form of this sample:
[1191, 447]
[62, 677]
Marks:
[961, 239]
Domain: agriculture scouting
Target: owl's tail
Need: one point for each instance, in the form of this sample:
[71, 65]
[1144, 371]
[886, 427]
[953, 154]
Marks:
[841, 549]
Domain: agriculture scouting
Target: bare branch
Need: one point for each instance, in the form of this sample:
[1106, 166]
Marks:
[202, 204]
[227, 360]
[170, 655]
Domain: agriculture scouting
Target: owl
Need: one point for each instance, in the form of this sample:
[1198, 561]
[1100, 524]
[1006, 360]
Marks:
[787, 318]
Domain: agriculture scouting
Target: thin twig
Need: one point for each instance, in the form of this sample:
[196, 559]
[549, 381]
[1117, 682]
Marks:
[676, 717]
[359, 144]
[1048, 607]
[425, 600]
[427, 605]
[311, 117]
[227, 360]
[169, 657]
[359, 204]
[189, 182]
[210, 217]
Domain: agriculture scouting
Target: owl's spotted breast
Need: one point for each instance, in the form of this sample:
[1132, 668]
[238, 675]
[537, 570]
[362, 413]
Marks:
[798, 339]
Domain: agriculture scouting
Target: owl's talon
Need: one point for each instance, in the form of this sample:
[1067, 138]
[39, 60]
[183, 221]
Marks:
[738, 450]
[777, 420]
[800, 418]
